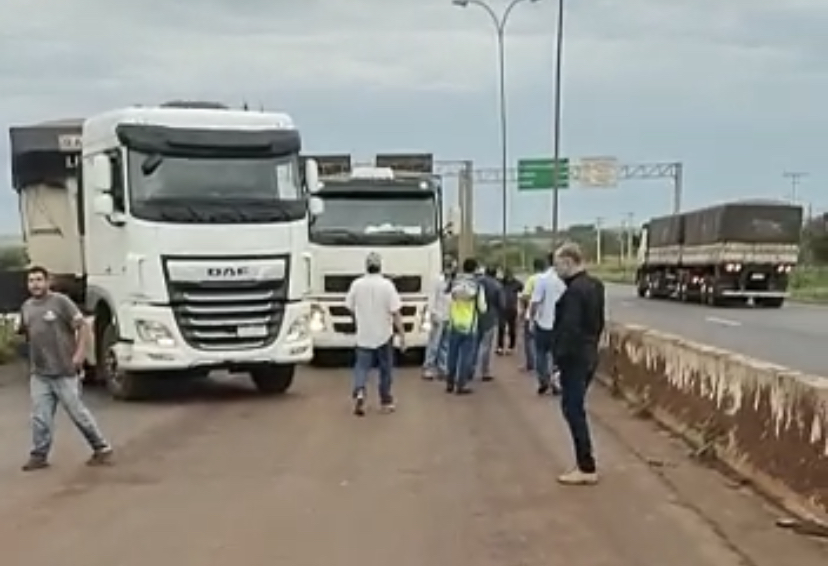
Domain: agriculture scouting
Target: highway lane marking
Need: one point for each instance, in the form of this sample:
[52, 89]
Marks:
[722, 321]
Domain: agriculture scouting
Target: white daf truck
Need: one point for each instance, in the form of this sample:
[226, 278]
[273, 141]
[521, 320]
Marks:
[396, 214]
[183, 232]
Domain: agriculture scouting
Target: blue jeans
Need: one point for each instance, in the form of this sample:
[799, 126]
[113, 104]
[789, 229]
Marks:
[485, 343]
[49, 392]
[529, 345]
[437, 349]
[461, 361]
[365, 359]
[543, 355]
[576, 376]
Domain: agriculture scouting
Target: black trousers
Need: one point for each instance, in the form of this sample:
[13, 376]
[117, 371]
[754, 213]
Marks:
[576, 377]
[507, 326]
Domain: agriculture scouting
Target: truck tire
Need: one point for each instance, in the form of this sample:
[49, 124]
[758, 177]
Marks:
[122, 385]
[273, 379]
[641, 288]
[769, 302]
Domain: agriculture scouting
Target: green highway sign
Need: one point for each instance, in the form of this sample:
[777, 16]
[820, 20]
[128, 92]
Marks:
[542, 174]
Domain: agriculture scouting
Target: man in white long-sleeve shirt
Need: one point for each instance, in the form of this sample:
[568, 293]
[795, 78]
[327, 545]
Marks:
[438, 303]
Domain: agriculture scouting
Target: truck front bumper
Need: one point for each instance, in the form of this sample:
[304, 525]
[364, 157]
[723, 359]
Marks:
[292, 346]
[332, 330]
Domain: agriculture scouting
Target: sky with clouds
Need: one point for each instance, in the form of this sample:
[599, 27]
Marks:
[735, 90]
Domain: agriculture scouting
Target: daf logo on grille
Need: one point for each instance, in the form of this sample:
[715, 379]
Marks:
[228, 272]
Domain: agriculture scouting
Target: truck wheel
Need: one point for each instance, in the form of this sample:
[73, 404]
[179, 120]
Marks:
[273, 380]
[122, 385]
[641, 288]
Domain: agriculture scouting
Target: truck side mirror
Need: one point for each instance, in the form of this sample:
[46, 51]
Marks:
[312, 175]
[316, 206]
[101, 174]
[103, 204]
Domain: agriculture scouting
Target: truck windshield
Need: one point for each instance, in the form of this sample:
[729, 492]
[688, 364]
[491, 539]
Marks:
[380, 221]
[214, 189]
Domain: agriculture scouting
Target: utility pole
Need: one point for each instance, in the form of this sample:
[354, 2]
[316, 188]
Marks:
[599, 236]
[796, 179]
[556, 133]
[630, 221]
[465, 194]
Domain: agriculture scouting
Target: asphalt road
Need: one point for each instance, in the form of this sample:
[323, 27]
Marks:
[795, 336]
[220, 476]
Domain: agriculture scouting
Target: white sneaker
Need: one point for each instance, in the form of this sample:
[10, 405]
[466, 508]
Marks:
[359, 404]
[388, 408]
[577, 477]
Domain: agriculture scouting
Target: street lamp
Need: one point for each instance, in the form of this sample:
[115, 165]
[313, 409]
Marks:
[500, 27]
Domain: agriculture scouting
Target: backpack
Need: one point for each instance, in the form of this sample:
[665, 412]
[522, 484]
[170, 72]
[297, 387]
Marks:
[467, 289]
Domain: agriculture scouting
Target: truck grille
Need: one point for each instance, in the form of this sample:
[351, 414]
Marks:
[225, 316]
[403, 283]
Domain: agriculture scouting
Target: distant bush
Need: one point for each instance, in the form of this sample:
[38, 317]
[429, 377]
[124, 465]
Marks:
[10, 341]
[13, 257]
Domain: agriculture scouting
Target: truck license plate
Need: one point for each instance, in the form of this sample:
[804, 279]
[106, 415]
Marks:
[251, 331]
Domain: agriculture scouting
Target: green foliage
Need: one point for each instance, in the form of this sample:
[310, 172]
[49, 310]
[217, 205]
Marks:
[9, 341]
[13, 257]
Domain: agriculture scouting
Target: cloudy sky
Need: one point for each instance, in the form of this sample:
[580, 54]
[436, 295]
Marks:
[735, 90]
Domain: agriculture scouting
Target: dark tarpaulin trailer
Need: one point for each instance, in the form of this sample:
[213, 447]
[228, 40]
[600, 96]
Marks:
[44, 153]
[665, 231]
[751, 222]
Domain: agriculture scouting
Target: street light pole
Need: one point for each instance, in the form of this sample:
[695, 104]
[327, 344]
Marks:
[504, 139]
[500, 27]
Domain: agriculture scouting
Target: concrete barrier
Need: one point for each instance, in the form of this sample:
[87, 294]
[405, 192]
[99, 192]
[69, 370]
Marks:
[767, 423]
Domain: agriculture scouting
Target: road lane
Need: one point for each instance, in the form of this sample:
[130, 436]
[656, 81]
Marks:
[795, 336]
[446, 480]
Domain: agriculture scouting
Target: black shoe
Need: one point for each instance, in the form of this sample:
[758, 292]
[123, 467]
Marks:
[35, 463]
[543, 389]
[487, 378]
[449, 387]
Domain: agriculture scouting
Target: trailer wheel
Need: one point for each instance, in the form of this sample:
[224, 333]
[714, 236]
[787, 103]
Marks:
[122, 385]
[641, 288]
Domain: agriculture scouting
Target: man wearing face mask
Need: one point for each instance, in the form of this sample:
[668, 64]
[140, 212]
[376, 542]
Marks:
[579, 323]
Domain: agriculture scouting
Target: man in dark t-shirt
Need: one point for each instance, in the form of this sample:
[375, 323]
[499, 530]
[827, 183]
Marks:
[57, 336]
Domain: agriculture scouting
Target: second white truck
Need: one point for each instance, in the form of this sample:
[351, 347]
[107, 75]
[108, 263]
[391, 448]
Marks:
[183, 232]
[374, 209]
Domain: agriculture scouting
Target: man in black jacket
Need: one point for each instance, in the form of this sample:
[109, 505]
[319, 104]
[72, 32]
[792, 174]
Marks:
[579, 323]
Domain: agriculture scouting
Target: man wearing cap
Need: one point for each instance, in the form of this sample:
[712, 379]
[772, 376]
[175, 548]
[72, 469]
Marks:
[438, 301]
[375, 304]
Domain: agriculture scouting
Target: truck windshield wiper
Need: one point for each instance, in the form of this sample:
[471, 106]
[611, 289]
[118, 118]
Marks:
[400, 235]
[338, 233]
[151, 163]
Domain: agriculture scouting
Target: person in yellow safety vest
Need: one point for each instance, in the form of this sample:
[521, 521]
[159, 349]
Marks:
[467, 302]
[538, 266]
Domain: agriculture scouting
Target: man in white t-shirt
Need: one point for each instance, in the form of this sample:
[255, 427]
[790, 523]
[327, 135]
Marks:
[375, 304]
[547, 291]
[436, 354]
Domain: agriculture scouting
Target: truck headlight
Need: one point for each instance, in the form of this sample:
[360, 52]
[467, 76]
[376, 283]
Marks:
[317, 319]
[154, 333]
[298, 330]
